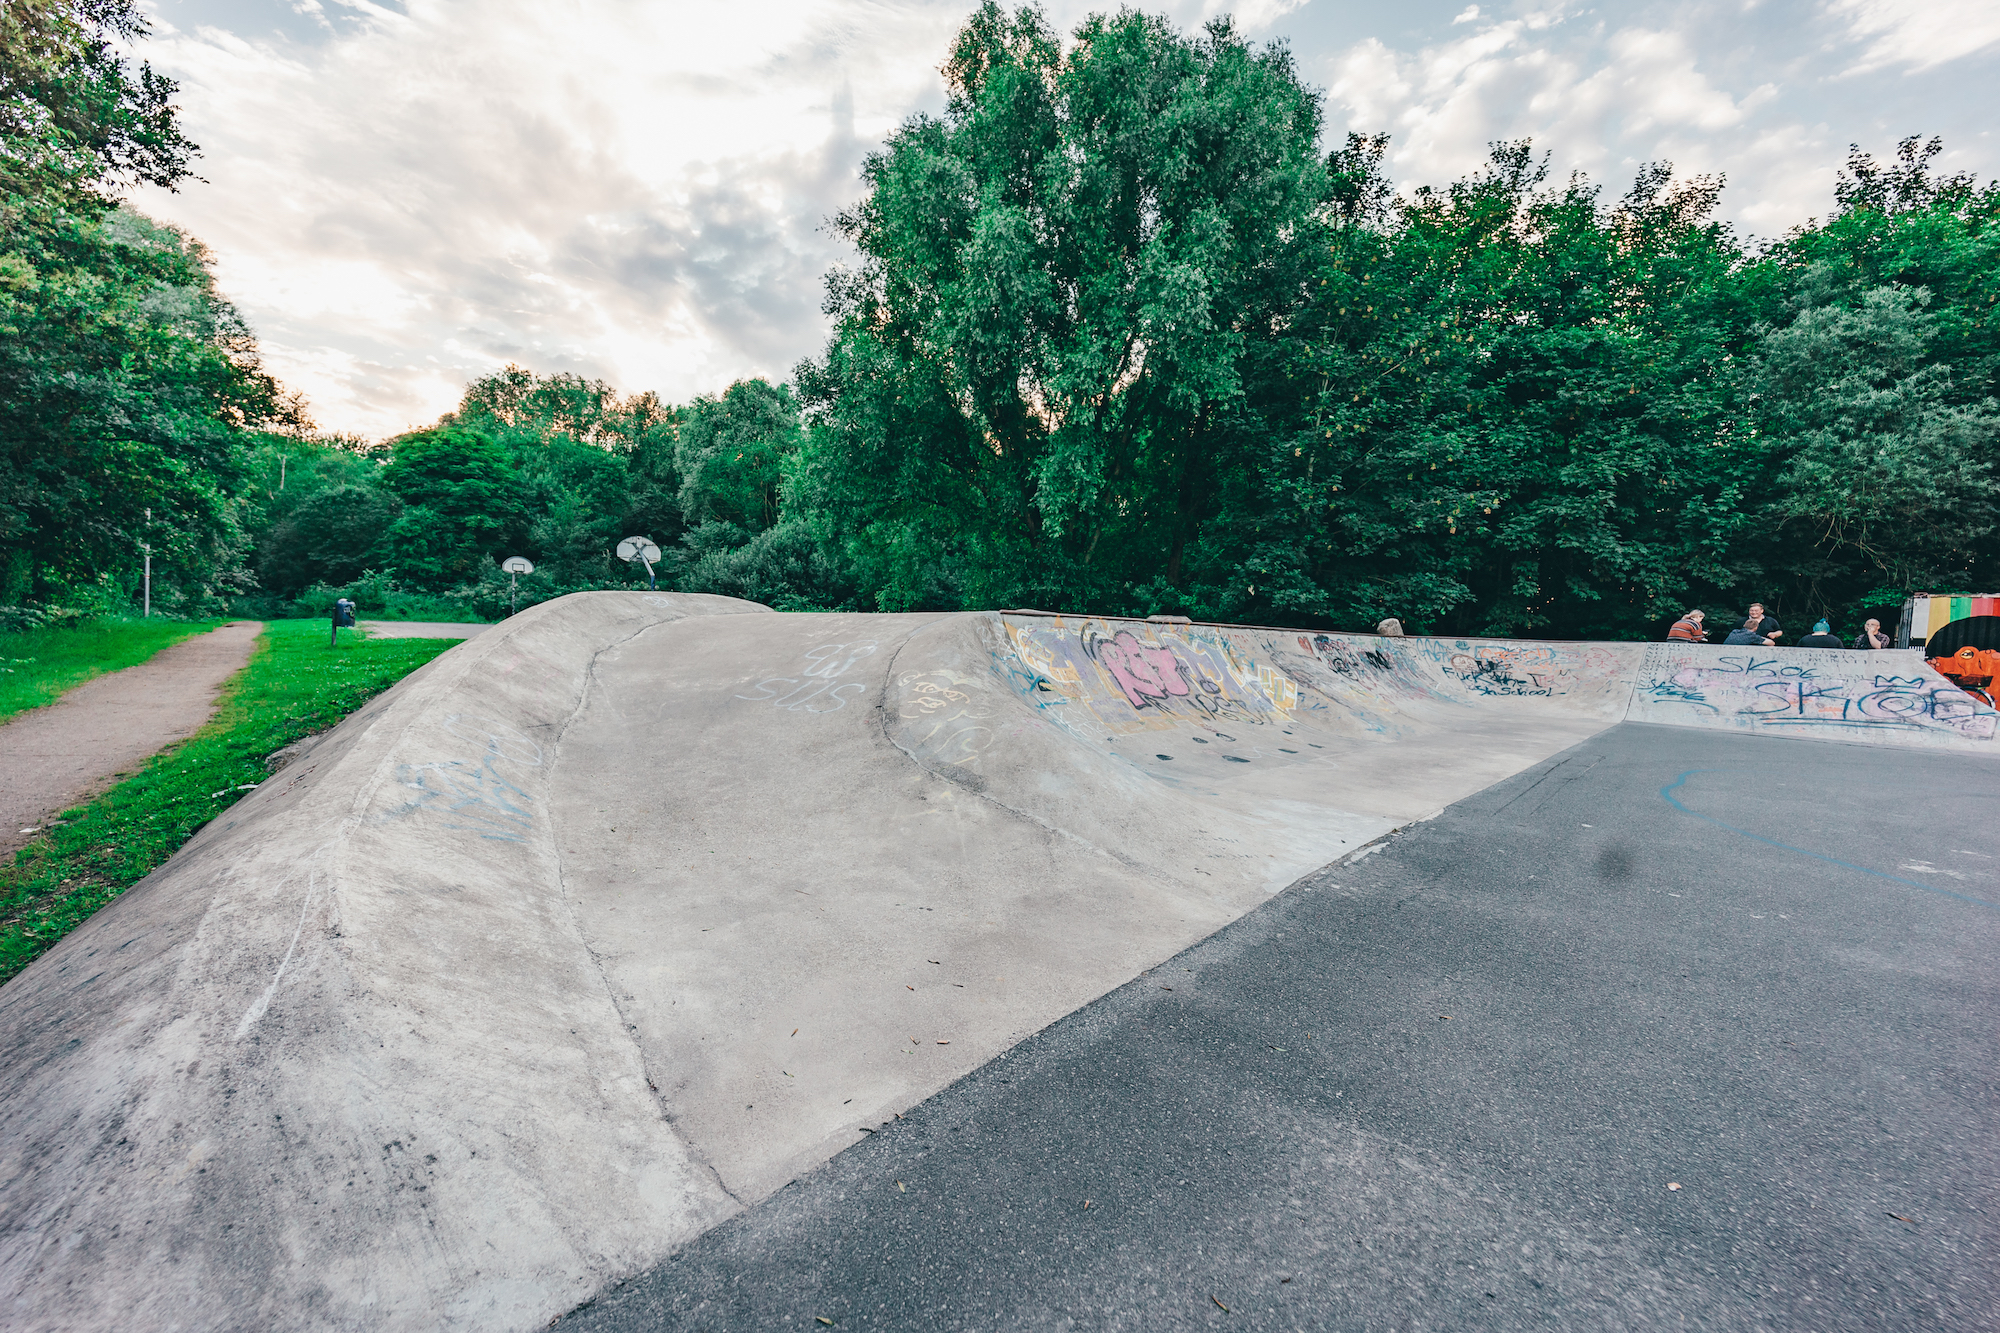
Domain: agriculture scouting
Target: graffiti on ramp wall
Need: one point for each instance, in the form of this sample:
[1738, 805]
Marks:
[944, 718]
[1099, 678]
[1117, 678]
[1805, 690]
[1145, 673]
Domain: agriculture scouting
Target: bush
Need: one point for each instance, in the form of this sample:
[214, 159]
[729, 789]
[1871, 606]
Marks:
[16, 619]
[784, 567]
[377, 597]
[494, 594]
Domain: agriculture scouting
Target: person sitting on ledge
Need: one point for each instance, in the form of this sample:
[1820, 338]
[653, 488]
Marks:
[1688, 628]
[1746, 636]
[1871, 636]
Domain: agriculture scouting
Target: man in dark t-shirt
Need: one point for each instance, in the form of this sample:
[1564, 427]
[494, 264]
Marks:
[1766, 625]
[1822, 637]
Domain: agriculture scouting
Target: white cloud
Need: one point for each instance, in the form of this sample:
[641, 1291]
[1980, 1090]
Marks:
[1252, 15]
[624, 190]
[1919, 34]
[405, 197]
[1603, 99]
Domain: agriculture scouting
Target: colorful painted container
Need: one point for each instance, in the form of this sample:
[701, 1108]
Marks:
[1925, 615]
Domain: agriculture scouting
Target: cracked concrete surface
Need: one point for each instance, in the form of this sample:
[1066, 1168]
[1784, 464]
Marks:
[609, 922]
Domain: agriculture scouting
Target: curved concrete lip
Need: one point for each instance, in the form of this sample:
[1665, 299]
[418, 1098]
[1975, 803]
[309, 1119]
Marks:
[610, 922]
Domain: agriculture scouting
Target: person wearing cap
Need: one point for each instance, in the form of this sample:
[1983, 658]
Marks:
[1821, 637]
[1688, 628]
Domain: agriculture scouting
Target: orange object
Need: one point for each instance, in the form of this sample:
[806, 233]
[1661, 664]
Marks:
[1971, 669]
[1970, 663]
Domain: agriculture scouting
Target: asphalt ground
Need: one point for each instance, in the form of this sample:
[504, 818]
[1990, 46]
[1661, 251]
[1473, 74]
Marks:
[1455, 1083]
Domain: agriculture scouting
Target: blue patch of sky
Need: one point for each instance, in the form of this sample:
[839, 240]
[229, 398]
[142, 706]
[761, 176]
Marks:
[305, 22]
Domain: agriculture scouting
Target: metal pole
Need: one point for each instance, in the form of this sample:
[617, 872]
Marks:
[651, 582]
[148, 547]
[513, 593]
[282, 460]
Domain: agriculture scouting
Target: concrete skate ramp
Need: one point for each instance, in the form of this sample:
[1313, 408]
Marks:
[615, 919]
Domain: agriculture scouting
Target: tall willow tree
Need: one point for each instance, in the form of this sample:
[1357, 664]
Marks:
[1045, 370]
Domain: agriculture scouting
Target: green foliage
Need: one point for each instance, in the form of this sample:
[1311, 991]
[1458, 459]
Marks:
[462, 499]
[1121, 338]
[294, 686]
[1119, 342]
[126, 384]
[1053, 357]
[38, 665]
[592, 468]
[380, 597]
[732, 452]
[1885, 459]
[128, 387]
[1875, 378]
[1519, 417]
[545, 407]
[73, 115]
[327, 538]
[788, 567]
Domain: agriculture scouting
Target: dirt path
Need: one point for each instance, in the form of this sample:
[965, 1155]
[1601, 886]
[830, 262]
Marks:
[54, 757]
[420, 629]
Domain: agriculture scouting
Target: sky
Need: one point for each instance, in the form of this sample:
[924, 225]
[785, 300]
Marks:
[402, 195]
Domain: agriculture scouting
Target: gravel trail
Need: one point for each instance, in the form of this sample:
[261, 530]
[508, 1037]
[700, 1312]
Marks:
[55, 757]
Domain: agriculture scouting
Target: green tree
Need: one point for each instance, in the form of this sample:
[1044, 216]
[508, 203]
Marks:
[580, 494]
[74, 116]
[1044, 373]
[653, 482]
[126, 384]
[731, 453]
[593, 467]
[1874, 382]
[333, 537]
[464, 502]
[1519, 419]
[517, 400]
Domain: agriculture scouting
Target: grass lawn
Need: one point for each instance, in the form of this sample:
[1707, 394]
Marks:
[294, 685]
[37, 665]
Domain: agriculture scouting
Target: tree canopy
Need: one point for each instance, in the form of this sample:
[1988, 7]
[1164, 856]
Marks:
[1056, 350]
[1123, 334]
[1120, 339]
[74, 114]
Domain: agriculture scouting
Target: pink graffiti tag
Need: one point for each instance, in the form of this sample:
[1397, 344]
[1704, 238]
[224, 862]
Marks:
[1145, 673]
